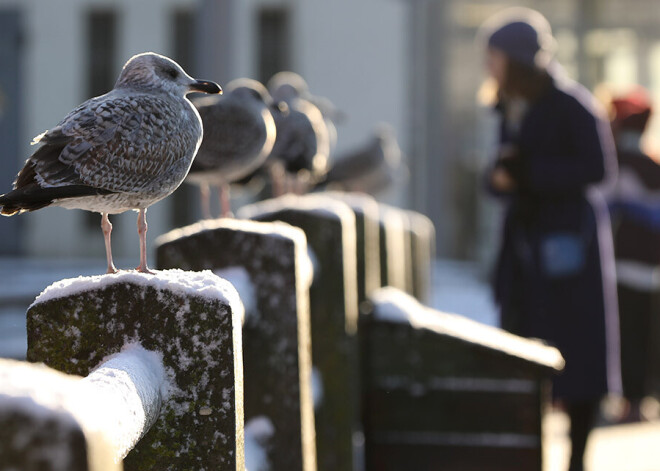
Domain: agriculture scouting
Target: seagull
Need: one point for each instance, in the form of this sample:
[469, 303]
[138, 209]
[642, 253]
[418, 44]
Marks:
[239, 134]
[371, 168]
[302, 145]
[121, 151]
[289, 85]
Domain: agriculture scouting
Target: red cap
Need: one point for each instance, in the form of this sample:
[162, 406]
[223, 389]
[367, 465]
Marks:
[632, 110]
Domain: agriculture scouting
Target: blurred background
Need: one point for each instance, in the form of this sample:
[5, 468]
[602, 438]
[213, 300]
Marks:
[411, 63]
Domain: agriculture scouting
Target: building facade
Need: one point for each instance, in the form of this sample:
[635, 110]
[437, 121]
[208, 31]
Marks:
[411, 63]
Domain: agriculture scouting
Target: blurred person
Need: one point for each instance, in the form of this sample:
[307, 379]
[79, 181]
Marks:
[635, 212]
[554, 276]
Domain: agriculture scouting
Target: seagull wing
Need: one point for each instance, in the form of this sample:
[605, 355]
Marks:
[115, 143]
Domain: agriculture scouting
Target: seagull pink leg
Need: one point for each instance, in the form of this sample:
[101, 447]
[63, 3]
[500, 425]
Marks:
[142, 232]
[225, 202]
[205, 197]
[277, 179]
[106, 226]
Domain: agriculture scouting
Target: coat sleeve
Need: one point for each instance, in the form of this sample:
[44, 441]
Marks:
[588, 155]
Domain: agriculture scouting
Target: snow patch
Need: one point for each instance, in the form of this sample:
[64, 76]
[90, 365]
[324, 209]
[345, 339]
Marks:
[393, 305]
[276, 228]
[240, 279]
[316, 203]
[317, 387]
[126, 393]
[203, 284]
[258, 433]
[356, 200]
[312, 267]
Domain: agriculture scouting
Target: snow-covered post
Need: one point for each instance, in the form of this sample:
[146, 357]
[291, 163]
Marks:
[394, 251]
[44, 424]
[422, 249]
[330, 229]
[366, 212]
[444, 392]
[191, 320]
[112, 408]
[269, 265]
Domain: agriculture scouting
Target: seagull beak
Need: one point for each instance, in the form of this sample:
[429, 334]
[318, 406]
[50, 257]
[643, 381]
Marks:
[205, 86]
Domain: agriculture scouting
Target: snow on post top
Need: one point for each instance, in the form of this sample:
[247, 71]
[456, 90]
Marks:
[203, 284]
[393, 305]
[272, 228]
[318, 204]
[357, 201]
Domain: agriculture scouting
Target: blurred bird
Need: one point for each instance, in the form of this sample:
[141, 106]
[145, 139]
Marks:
[302, 145]
[291, 85]
[239, 134]
[371, 168]
[121, 151]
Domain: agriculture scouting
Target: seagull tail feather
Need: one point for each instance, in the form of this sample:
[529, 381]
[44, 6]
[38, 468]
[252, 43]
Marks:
[33, 197]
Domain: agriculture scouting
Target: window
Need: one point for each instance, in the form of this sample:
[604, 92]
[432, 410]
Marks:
[273, 42]
[182, 48]
[101, 53]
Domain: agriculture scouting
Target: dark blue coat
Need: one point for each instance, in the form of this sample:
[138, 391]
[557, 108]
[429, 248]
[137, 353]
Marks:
[555, 271]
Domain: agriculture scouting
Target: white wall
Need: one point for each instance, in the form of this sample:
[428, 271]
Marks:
[355, 53]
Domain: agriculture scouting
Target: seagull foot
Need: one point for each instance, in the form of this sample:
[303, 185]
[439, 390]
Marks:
[145, 269]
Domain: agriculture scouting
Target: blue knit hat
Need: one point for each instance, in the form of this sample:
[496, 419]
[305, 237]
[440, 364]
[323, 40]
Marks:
[522, 34]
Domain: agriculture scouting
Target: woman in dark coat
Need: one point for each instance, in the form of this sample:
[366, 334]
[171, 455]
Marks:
[555, 274]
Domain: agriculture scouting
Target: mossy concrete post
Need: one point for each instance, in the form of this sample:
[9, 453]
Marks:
[193, 320]
[43, 427]
[330, 229]
[422, 250]
[444, 392]
[366, 212]
[276, 335]
[394, 252]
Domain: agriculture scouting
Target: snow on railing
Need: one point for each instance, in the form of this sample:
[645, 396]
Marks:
[106, 413]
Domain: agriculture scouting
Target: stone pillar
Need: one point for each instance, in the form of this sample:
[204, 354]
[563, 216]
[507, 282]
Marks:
[276, 333]
[393, 248]
[192, 319]
[330, 229]
[366, 211]
[43, 424]
[422, 250]
[444, 392]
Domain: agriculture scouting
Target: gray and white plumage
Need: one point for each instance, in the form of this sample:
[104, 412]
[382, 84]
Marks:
[124, 150]
[302, 135]
[371, 168]
[302, 138]
[239, 133]
[288, 86]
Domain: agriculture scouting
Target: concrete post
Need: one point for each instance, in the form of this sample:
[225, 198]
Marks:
[276, 334]
[330, 229]
[192, 319]
[366, 212]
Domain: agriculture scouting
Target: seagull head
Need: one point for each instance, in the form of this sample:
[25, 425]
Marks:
[288, 86]
[249, 89]
[155, 72]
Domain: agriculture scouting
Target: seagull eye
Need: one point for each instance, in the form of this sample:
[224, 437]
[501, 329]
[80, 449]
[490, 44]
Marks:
[172, 73]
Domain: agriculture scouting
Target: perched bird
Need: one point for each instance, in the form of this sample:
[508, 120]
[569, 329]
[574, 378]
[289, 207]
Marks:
[239, 134]
[121, 151]
[371, 168]
[291, 85]
[302, 144]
